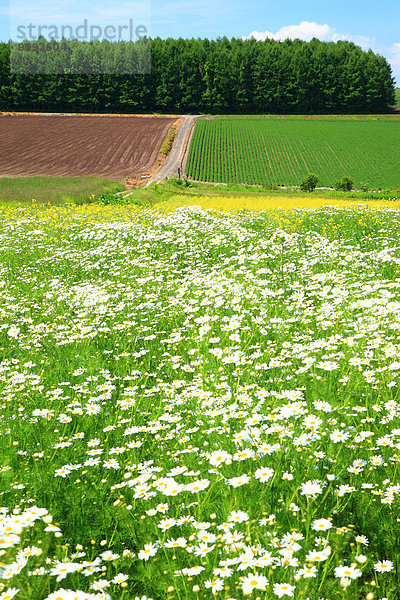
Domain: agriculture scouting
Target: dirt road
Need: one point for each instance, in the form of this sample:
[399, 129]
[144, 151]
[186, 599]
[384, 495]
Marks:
[178, 155]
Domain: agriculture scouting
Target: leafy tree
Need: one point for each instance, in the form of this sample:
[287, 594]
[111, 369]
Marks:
[309, 183]
[344, 184]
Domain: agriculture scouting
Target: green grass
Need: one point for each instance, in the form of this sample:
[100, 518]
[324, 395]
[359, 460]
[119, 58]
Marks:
[162, 192]
[238, 189]
[44, 189]
[60, 190]
[282, 151]
[136, 346]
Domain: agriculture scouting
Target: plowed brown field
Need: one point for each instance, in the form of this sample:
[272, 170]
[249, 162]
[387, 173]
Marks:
[115, 147]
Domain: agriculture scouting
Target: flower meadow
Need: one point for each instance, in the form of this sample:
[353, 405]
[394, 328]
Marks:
[199, 404]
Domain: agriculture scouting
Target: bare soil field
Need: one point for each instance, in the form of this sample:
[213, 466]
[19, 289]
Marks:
[116, 147]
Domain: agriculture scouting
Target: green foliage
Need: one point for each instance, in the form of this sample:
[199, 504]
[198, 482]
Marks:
[345, 184]
[277, 151]
[198, 76]
[309, 183]
[148, 196]
[113, 199]
[181, 183]
[397, 97]
[169, 140]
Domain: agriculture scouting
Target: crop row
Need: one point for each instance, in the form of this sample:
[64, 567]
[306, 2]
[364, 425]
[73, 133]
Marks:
[280, 151]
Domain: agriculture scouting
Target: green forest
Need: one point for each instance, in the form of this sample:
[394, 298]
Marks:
[197, 76]
[397, 91]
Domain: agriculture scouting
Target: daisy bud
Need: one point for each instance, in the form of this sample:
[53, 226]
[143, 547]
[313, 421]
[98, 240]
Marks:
[361, 558]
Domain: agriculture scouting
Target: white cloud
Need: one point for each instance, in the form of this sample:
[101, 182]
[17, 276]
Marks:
[306, 30]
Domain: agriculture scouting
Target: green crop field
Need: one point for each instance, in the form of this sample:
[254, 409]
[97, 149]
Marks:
[282, 151]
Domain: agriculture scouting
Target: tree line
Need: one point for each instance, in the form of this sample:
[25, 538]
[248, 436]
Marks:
[225, 76]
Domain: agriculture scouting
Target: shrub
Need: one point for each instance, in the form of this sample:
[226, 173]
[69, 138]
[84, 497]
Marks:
[345, 184]
[169, 140]
[183, 182]
[114, 199]
[309, 183]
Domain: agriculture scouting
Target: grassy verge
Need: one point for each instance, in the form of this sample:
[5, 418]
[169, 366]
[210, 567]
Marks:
[63, 190]
[265, 190]
[378, 117]
[169, 140]
[56, 190]
[193, 192]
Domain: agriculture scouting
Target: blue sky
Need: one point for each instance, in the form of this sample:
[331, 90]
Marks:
[369, 23]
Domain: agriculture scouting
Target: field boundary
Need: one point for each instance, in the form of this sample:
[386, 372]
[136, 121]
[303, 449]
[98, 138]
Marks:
[54, 114]
[392, 114]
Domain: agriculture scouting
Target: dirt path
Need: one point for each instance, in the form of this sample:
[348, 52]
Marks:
[178, 155]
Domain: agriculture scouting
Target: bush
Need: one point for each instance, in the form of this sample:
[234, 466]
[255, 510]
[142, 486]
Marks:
[345, 184]
[168, 142]
[114, 199]
[309, 183]
[179, 183]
